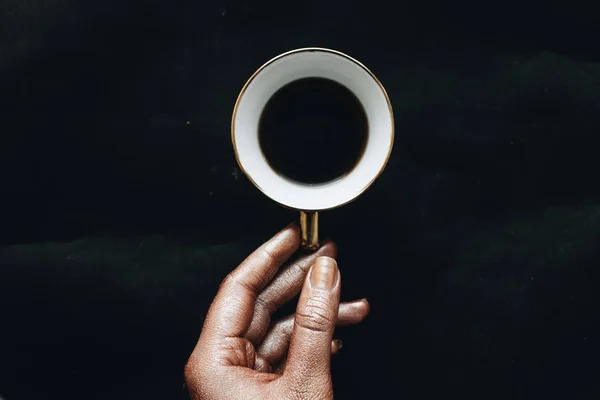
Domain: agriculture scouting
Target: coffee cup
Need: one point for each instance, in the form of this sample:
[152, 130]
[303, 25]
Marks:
[312, 129]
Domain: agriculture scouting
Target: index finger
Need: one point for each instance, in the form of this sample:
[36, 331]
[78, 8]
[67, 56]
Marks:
[232, 309]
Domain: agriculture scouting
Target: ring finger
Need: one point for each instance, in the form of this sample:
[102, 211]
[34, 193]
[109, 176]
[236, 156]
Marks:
[275, 345]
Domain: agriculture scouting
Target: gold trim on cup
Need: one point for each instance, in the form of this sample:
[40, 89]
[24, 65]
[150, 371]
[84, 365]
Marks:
[308, 49]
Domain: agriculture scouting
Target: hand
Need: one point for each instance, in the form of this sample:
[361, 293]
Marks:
[241, 355]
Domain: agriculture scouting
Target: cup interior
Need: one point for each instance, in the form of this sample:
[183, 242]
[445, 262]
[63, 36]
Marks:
[307, 63]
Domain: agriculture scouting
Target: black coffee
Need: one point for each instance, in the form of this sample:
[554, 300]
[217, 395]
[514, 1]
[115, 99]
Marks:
[313, 131]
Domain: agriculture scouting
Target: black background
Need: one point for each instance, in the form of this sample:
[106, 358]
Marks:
[122, 206]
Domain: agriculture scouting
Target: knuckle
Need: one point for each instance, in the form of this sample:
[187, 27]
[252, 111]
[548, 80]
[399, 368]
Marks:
[232, 280]
[188, 370]
[316, 315]
[260, 321]
[267, 255]
[228, 281]
[264, 306]
[191, 370]
[304, 265]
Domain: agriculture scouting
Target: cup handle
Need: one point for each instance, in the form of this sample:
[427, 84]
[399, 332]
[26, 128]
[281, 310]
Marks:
[309, 228]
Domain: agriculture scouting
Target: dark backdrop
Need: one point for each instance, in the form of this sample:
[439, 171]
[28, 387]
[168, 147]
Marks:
[122, 207]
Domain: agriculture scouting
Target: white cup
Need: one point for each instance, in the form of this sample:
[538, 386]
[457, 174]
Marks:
[310, 199]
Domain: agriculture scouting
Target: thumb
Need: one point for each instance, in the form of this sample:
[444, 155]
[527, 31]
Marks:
[308, 365]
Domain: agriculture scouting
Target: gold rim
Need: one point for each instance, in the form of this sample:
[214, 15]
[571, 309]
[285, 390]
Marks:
[301, 50]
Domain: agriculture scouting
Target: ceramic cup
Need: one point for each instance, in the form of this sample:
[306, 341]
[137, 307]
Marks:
[311, 199]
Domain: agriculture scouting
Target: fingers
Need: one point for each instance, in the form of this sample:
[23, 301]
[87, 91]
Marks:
[231, 311]
[284, 287]
[353, 312]
[309, 356]
[336, 345]
[261, 365]
[276, 343]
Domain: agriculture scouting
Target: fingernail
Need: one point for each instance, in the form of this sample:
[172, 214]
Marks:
[338, 342]
[324, 273]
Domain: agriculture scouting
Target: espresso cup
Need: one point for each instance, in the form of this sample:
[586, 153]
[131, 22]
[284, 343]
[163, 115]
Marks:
[312, 129]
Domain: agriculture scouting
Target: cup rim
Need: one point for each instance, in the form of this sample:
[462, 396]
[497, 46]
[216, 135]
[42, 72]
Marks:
[323, 50]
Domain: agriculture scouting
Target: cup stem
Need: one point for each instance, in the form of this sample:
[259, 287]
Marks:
[309, 227]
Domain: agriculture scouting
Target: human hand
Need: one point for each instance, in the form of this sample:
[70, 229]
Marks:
[241, 355]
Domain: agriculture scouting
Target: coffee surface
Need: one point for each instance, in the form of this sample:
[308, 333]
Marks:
[313, 130]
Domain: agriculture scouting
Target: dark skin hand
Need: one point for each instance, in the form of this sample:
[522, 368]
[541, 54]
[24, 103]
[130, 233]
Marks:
[242, 355]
